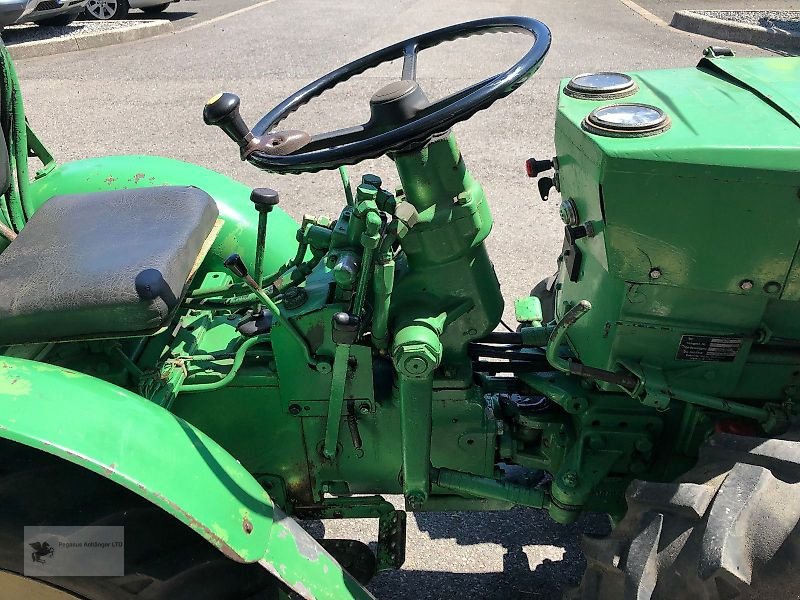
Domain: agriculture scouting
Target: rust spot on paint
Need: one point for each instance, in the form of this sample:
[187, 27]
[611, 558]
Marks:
[247, 526]
[110, 180]
[212, 537]
[109, 470]
[138, 177]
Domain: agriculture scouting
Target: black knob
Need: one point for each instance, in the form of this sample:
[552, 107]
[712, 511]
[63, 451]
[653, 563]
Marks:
[264, 199]
[345, 328]
[223, 111]
[545, 185]
[577, 232]
[235, 265]
[534, 167]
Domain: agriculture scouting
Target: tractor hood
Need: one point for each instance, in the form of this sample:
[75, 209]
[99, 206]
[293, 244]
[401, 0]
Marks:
[692, 198]
[719, 112]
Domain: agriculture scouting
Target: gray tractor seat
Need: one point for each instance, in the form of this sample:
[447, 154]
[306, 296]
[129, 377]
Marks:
[104, 264]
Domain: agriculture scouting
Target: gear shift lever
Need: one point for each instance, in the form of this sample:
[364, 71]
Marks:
[223, 111]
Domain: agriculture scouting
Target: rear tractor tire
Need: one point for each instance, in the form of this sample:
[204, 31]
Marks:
[164, 559]
[727, 529]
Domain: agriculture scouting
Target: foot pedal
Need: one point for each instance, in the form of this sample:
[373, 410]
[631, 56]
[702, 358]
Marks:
[356, 558]
[391, 540]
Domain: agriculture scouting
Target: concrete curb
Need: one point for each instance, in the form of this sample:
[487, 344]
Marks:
[95, 40]
[735, 32]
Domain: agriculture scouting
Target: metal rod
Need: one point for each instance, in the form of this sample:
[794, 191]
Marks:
[237, 364]
[348, 191]
[261, 242]
[336, 403]
[483, 487]
[502, 337]
[382, 286]
[737, 408]
[574, 367]
[557, 337]
[284, 320]
[7, 232]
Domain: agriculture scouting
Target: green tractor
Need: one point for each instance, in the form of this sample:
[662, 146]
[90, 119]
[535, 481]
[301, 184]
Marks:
[181, 359]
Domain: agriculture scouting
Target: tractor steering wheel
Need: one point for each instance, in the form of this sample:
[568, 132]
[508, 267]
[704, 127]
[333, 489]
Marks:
[401, 116]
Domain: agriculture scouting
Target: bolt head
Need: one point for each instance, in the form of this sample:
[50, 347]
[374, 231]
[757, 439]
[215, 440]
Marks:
[568, 212]
[324, 367]
[746, 284]
[655, 273]
[415, 360]
[415, 500]
[570, 479]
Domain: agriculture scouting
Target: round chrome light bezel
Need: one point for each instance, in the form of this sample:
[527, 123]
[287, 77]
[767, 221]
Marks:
[627, 120]
[604, 85]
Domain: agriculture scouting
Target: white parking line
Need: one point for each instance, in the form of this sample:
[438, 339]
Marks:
[225, 16]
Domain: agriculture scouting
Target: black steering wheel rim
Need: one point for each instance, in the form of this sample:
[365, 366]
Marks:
[459, 106]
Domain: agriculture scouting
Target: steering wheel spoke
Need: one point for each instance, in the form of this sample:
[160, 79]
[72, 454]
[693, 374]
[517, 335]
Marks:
[338, 137]
[410, 53]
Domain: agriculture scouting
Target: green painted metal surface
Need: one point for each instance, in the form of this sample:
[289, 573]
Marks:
[166, 460]
[696, 230]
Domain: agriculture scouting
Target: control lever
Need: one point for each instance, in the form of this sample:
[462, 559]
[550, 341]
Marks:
[223, 111]
[534, 168]
[545, 184]
[264, 200]
[345, 328]
[235, 265]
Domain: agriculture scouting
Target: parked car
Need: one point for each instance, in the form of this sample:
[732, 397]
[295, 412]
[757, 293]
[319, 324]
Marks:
[12, 10]
[118, 9]
[53, 12]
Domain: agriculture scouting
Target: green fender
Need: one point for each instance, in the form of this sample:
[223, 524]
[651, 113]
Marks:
[233, 198]
[161, 457]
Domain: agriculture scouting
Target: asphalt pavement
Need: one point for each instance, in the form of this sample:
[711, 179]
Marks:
[146, 98]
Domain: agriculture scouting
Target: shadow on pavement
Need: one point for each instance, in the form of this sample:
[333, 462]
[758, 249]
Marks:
[164, 16]
[528, 539]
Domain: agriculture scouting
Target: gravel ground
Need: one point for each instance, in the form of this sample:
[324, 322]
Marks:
[779, 20]
[30, 32]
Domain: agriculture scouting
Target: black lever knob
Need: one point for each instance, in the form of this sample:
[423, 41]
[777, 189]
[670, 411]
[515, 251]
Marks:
[545, 185]
[235, 265]
[577, 232]
[223, 111]
[534, 167]
[345, 328]
[265, 199]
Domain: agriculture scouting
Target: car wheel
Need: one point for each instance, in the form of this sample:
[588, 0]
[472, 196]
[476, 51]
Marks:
[58, 21]
[103, 10]
[158, 8]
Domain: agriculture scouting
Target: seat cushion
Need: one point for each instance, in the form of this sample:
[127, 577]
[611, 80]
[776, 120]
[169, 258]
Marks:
[104, 264]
